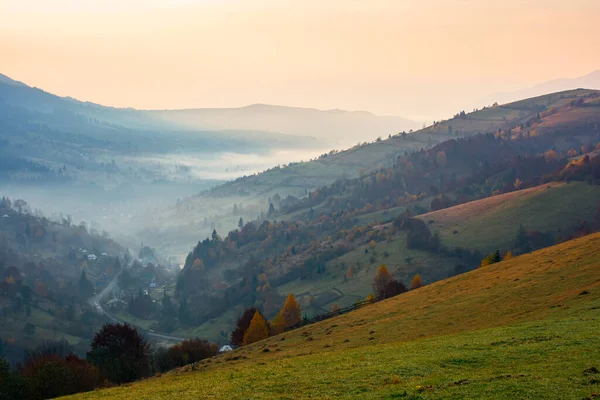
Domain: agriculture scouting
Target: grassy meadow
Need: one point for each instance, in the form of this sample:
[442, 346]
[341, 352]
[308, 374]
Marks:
[523, 328]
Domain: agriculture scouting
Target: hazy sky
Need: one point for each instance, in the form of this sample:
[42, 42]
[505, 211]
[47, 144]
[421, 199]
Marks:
[415, 58]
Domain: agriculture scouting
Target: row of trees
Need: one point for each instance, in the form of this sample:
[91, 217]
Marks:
[118, 354]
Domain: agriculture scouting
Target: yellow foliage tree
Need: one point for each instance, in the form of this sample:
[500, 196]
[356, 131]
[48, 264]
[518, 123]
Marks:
[291, 311]
[372, 244]
[10, 280]
[416, 282]
[257, 330]
[277, 325]
[370, 297]
[508, 256]
[518, 183]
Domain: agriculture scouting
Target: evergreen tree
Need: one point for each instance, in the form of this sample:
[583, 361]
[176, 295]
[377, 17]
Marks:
[241, 223]
[85, 289]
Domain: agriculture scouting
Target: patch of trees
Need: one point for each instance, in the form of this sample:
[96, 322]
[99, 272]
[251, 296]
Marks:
[118, 354]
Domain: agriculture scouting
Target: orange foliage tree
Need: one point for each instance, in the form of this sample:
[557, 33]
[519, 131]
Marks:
[416, 282]
[381, 280]
[370, 297]
[291, 312]
[508, 256]
[257, 330]
[335, 307]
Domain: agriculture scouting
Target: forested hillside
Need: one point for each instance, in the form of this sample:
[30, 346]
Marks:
[326, 246]
[48, 271]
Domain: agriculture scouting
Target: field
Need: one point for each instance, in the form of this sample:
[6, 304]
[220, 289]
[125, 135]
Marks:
[492, 223]
[523, 328]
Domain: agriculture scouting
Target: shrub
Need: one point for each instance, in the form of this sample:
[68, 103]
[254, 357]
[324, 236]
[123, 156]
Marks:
[49, 376]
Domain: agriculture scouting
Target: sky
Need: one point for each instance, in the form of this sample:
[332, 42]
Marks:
[417, 58]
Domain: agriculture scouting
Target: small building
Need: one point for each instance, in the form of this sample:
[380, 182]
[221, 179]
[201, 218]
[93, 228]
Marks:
[225, 349]
[92, 257]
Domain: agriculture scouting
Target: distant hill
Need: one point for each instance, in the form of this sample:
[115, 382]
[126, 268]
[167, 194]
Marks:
[523, 328]
[335, 127]
[589, 81]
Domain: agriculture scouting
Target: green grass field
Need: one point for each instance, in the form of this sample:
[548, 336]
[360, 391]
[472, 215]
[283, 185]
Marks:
[524, 328]
[492, 223]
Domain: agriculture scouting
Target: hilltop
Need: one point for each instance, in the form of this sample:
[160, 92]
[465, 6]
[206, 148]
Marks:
[523, 328]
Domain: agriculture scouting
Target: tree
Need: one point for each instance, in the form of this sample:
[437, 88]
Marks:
[257, 330]
[85, 289]
[214, 235]
[381, 280]
[291, 312]
[394, 288]
[508, 256]
[29, 329]
[491, 258]
[277, 325]
[441, 158]
[349, 273]
[120, 352]
[335, 307]
[237, 336]
[271, 210]
[370, 297]
[416, 282]
[241, 223]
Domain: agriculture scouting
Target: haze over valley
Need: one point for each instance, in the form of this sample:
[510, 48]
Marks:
[359, 200]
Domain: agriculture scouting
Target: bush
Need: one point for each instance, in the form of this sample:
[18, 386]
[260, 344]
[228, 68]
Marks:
[49, 376]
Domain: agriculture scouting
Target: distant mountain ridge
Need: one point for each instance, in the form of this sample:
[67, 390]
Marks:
[334, 127]
[589, 81]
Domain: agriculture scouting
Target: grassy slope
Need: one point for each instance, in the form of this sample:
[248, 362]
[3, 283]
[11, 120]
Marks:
[524, 328]
[484, 225]
[492, 223]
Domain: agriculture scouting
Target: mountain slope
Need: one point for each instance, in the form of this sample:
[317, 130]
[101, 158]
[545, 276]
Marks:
[524, 328]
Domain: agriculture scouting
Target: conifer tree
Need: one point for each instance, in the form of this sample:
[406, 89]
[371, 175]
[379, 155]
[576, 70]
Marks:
[257, 330]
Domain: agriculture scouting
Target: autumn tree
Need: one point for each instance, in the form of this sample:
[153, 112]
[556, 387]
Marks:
[491, 258]
[237, 336]
[257, 330]
[349, 273]
[381, 280]
[277, 325]
[370, 297]
[508, 255]
[291, 312]
[442, 159]
[120, 352]
[335, 307]
[416, 282]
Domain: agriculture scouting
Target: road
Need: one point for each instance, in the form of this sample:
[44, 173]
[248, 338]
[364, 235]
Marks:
[95, 302]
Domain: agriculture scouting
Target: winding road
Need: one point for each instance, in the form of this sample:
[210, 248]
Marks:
[95, 302]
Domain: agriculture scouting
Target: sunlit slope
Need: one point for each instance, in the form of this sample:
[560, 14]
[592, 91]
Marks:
[524, 328]
[492, 223]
